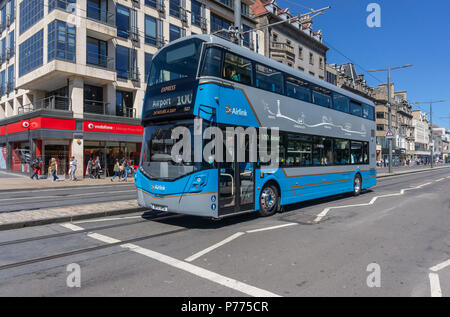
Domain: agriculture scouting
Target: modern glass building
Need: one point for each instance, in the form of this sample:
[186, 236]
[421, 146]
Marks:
[73, 72]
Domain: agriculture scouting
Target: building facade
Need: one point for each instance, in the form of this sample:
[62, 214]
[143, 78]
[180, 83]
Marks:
[294, 44]
[73, 72]
[421, 136]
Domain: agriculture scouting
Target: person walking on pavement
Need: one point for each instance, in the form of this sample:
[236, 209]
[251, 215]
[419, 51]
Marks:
[89, 168]
[53, 168]
[73, 168]
[126, 170]
[35, 167]
[98, 167]
[116, 171]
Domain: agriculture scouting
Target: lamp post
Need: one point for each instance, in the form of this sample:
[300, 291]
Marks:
[388, 70]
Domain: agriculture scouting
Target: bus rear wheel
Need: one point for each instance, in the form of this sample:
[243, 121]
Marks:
[357, 185]
[269, 201]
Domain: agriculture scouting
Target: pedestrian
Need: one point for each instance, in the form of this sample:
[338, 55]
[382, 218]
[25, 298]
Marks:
[126, 169]
[73, 168]
[116, 171]
[53, 168]
[89, 168]
[98, 167]
[122, 169]
[35, 167]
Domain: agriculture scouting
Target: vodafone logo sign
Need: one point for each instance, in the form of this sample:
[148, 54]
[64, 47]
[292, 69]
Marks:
[90, 126]
[25, 124]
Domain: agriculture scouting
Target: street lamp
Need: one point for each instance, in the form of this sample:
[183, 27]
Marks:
[388, 70]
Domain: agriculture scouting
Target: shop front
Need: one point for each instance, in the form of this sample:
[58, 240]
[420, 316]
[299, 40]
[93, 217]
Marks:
[46, 138]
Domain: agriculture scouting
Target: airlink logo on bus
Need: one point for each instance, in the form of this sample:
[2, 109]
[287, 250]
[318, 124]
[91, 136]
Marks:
[158, 187]
[236, 111]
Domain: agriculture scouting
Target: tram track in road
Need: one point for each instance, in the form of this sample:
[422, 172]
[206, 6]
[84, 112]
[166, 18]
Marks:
[63, 234]
[90, 249]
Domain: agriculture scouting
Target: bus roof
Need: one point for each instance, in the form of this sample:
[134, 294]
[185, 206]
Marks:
[243, 51]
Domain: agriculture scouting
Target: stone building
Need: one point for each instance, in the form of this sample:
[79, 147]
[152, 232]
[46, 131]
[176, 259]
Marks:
[294, 44]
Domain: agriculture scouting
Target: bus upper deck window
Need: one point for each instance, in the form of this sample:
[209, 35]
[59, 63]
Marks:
[238, 69]
[213, 62]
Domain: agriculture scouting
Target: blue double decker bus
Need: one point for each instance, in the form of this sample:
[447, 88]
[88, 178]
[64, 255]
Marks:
[325, 136]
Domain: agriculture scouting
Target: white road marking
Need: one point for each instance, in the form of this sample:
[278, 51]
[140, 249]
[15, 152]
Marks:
[272, 228]
[440, 266]
[108, 219]
[69, 196]
[435, 285]
[71, 227]
[324, 212]
[440, 179]
[215, 246]
[103, 238]
[190, 268]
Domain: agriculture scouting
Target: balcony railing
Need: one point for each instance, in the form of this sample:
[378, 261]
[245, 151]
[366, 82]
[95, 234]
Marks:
[284, 47]
[127, 112]
[97, 14]
[60, 103]
[99, 60]
[96, 107]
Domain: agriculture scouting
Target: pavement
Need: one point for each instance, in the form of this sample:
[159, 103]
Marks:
[392, 240]
[14, 181]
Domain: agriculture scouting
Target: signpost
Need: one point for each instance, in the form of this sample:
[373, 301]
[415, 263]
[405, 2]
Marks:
[390, 134]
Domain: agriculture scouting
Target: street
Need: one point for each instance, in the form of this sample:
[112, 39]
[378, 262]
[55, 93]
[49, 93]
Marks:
[326, 247]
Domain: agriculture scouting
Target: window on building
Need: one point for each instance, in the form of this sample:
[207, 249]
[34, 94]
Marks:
[148, 63]
[2, 83]
[312, 74]
[60, 4]
[61, 41]
[123, 21]
[93, 99]
[3, 50]
[124, 104]
[237, 69]
[31, 53]
[31, 11]
[97, 10]
[247, 37]
[11, 43]
[269, 79]
[311, 58]
[380, 115]
[122, 61]
[340, 102]
[218, 23]
[10, 78]
[174, 8]
[96, 52]
[151, 3]
[300, 52]
[321, 63]
[196, 12]
[175, 32]
[298, 89]
[274, 37]
[153, 31]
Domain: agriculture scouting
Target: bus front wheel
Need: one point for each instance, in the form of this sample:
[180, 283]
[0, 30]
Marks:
[269, 201]
[357, 185]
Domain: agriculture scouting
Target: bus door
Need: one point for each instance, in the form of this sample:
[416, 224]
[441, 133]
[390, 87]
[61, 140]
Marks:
[236, 186]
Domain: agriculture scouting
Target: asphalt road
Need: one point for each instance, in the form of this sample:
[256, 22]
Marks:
[47, 198]
[399, 229]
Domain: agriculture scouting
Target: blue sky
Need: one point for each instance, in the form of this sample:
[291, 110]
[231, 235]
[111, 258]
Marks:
[412, 32]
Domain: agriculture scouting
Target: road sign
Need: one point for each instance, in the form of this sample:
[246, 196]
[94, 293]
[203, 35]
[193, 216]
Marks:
[389, 134]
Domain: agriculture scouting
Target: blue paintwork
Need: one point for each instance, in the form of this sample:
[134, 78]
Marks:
[198, 182]
[207, 181]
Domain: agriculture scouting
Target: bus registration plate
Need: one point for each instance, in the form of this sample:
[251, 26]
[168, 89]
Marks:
[159, 207]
